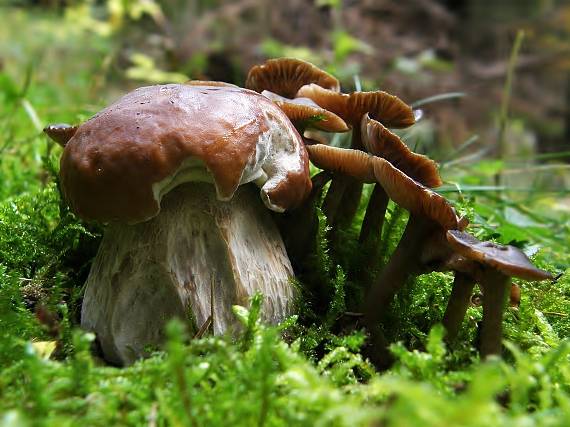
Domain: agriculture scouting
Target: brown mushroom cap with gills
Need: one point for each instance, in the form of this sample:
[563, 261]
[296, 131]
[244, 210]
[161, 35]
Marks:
[422, 245]
[162, 165]
[495, 265]
[343, 197]
[388, 109]
[285, 76]
[120, 163]
[305, 113]
[381, 142]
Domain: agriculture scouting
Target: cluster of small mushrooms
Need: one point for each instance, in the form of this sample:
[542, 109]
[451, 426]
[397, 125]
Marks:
[172, 170]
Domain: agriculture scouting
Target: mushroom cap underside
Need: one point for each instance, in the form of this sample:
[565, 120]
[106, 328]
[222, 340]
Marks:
[307, 113]
[381, 142]
[284, 76]
[388, 109]
[403, 190]
[509, 260]
[118, 162]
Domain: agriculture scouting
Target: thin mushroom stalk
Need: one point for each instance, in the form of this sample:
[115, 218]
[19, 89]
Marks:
[299, 226]
[457, 305]
[342, 199]
[404, 263]
[373, 221]
[495, 291]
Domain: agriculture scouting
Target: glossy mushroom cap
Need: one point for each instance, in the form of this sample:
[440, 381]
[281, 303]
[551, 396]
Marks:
[379, 141]
[387, 109]
[120, 163]
[508, 260]
[284, 76]
[307, 114]
[60, 132]
[402, 189]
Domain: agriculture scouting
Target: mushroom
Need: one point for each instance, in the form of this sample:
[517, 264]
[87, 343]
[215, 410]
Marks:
[285, 76]
[305, 113]
[342, 199]
[422, 246]
[492, 266]
[379, 141]
[162, 167]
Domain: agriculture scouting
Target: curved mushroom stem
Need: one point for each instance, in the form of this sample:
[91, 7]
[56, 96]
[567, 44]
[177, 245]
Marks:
[342, 199]
[334, 197]
[349, 203]
[457, 305]
[374, 216]
[404, 262]
[495, 290]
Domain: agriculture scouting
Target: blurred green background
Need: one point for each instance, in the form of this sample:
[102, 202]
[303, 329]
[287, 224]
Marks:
[61, 61]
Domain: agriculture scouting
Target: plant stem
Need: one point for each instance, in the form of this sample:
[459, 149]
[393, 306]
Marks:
[507, 90]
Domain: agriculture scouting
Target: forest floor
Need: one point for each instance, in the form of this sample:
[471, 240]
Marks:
[306, 371]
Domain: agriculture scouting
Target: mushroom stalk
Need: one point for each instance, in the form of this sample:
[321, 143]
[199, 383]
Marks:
[374, 216]
[342, 199]
[197, 257]
[404, 262]
[495, 290]
[457, 305]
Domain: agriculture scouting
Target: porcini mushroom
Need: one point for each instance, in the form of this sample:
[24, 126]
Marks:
[492, 266]
[162, 167]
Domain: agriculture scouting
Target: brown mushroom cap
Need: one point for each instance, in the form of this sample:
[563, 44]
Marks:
[379, 141]
[60, 132]
[119, 163]
[509, 260]
[285, 76]
[307, 113]
[402, 189]
[387, 109]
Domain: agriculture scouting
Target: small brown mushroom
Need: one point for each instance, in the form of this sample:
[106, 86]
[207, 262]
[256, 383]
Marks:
[379, 141]
[422, 246]
[388, 109]
[495, 265]
[305, 114]
[343, 197]
[162, 167]
[285, 76]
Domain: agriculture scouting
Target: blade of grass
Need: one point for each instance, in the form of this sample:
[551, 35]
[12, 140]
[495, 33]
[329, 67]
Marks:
[437, 98]
[507, 90]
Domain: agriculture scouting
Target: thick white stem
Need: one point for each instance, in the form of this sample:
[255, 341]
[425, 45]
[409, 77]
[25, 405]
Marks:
[149, 273]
